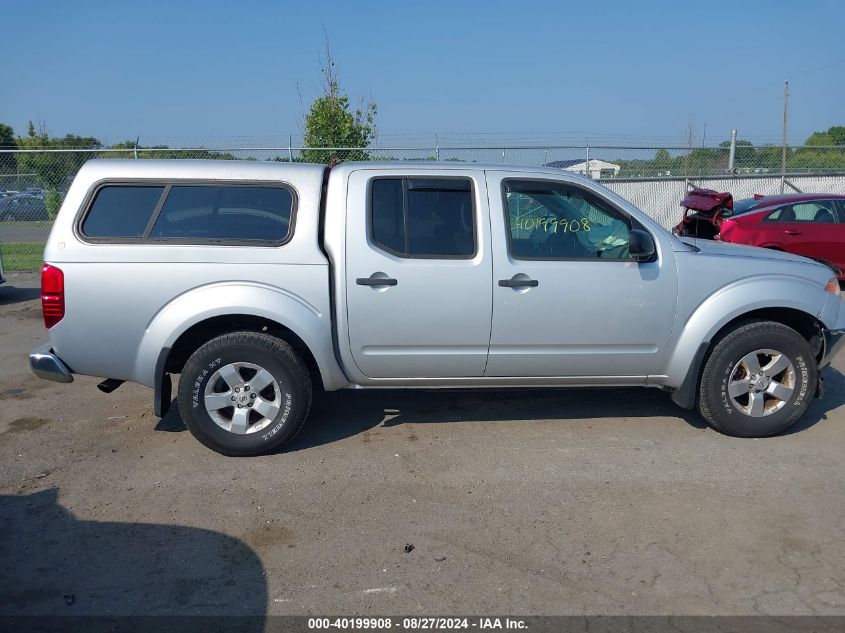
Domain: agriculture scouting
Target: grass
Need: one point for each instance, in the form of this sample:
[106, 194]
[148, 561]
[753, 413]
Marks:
[21, 256]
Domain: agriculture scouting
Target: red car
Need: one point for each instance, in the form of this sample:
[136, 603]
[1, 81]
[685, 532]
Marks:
[812, 225]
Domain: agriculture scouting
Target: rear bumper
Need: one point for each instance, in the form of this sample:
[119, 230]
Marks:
[834, 341]
[45, 364]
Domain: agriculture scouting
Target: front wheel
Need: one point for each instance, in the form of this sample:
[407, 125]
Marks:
[759, 379]
[244, 393]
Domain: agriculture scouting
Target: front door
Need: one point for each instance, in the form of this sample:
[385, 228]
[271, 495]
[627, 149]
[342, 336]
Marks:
[568, 300]
[810, 229]
[418, 268]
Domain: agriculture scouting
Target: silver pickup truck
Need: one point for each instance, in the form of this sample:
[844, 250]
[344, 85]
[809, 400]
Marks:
[259, 281]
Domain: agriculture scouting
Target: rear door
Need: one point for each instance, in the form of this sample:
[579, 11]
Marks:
[418, 268]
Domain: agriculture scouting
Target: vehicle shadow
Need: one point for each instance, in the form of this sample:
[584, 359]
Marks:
[55, 566]
[340, 414]
[13, 294]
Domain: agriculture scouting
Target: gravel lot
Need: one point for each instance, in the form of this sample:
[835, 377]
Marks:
[540, 502]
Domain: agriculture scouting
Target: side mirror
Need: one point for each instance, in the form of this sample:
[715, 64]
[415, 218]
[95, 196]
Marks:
[640, 245]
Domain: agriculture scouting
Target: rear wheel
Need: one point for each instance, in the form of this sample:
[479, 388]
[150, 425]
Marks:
[759, 379]
[244, 393]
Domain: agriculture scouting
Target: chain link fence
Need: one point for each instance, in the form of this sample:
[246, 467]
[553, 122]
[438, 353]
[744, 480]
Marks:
[33, 182]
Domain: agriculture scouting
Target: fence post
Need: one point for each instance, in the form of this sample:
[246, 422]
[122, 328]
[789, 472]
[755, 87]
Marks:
[587, 164]
[732, 155]
[783, 152]
[290, 149]
[436, 147]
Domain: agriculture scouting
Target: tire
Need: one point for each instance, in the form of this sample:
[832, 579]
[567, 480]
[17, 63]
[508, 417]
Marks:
[738, 398]
[232, 369]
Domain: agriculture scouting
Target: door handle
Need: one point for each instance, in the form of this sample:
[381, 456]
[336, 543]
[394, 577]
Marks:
[792, 232]
[519, 283]
[376, 281]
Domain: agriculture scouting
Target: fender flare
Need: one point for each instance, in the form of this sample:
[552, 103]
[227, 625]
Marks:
[248, 298]
[730, 303]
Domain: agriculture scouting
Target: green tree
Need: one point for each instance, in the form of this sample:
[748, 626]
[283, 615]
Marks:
[8, 162]
[164, 151]
[769, 157]
[54, 170]
[745, 155]
[703, 161]
[832, 136]
[837, 133]
[662, 161]
[330, 122]
[53, 201]
[816, 159]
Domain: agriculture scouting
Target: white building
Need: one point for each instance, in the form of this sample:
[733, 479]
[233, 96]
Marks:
[594, 168]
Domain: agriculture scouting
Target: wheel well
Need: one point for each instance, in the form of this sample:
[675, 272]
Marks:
[803, 323]
[200, 333]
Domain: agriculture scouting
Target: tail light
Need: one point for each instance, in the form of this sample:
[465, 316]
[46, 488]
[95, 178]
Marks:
[52, 294]
[725, 229]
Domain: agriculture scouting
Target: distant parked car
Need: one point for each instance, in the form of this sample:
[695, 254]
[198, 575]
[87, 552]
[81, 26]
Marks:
[22, 208]
[812, 225]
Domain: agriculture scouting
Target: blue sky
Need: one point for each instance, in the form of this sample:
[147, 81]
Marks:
[186, 72]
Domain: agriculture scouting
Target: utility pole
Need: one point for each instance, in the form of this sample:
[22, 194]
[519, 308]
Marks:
[783, 152]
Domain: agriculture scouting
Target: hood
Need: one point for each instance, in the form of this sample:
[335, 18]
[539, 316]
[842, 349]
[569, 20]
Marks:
[709, 247]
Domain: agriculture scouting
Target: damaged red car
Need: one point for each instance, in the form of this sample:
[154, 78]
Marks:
[812, 225]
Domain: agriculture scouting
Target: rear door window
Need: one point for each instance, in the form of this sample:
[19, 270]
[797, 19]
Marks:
[841, 205]
[388, 214]
[423, 217]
